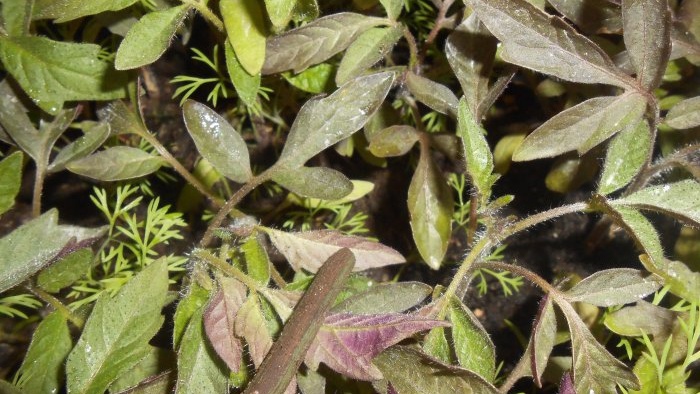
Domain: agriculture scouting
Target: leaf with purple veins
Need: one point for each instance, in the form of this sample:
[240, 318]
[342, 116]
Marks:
[347, 343]
[219, 321]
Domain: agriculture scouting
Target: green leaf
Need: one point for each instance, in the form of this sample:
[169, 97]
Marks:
[116, 335]
[157, 360]
[477, 153]
[316, 182]
[309, 249]
[315, 79]
[10, 180]
[256, 260]
[542, 340]
[569, 172]
[322, 122]
[435, 345]
[148, 38]
[42, 370]
[66, 10]
[534, 39]
[369, 48]
[595, 370]
[315, 42]
[116, 163]
[16, 16]
[430, 205]
[685, 114]
[8, 388]
[246, 85]
[393, 8]
[14, 122]
[217, 141]
[683, 282]
[198, 369]
[245, 28]
[81, 147]
[615, 286]
[194, 300]
[472, 344]
[65, 271]
[392, 141]
[35, 244]
[582, 127]
[647, 35]
[410, 371]
[385, 298]
[591, 16]
[280, 11]
[470, 50]
[625, 157]
[641, 318]
[54, 71]
[122, 118]
[680, 200]
[436, 96]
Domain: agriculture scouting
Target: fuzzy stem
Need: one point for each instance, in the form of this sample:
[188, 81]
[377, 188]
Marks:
[413, 61]
[228, 269]
[57, 305]
[38, 188]
[542, 217]
[206, 13]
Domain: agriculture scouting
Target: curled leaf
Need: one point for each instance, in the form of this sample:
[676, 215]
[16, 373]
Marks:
[614, 287]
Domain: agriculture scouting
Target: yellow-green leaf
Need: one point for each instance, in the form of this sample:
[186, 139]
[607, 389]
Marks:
[10, 180]
[245, 28]
[624, 158]
[369, 48]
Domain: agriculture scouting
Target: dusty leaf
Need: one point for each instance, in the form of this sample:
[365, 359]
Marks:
[309, 249]
[315, 182]
[323, 122]
[591, 16]
[470, 50]
[647, 35]
[116, 163]
[410, 371]
[393, 141]
[148, 38]
[643, 317]
[471, 342]
[251, 325]
[347, 343]
[35, 244]
[198, 369]
[10, 180]
[42, 370]
[55, 71]
[81, 147]
[116, 335]
[369, 48]
[245, 28]
[582, 127]
[615, 286]
[195, 298]
[430, 206]
[246, 85]
[595, 370]
[65, 271]
[217, 141]
[66, 10]
[534, 39]
[477, 153]
[385, 298]
[679, 199]
[219, 318]
[685, 114]
[625, 157]
[315, 42]
[436, 96]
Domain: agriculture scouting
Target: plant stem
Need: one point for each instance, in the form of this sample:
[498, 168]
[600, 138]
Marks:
[439, 21]
[206, 13]
[57, 305]
[413, 61]
[225, 267]
[522, 271]
[542, 217]
[38, 188]
[230, 204]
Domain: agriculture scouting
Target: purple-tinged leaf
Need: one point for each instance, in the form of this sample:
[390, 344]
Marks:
[219, 320]
[544, 332]
[591, 16]
[566, 385]
[250, 324]
[308, 250]
[614, 287]
[647, 35]
[436, 96]
[347, 343]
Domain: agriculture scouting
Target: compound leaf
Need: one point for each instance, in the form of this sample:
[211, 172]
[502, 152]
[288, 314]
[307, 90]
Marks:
[148, 38]
[323, 122]
[116, 335]
[42, 370]
[315, 42]
[678, 199]
[385, 298]
[245, 28]
[347, 343]
[116, 163]
[10, 180]
[472, 344]
[52, 71]
[411, 371]
[625, 157]
[534, 39]
[434, 95]
[66, 10]
[316, 182]
[582, 127]
[369, 48]
[615, 286]
[685, 114]
[308, 250]
[647, 35]
[219, 318]
[217, 141]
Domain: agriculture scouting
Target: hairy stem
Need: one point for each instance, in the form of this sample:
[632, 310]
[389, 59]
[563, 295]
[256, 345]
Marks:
[542, 217]
[38, 188]
[206, 13]
[57, 305]
[413, 61]
[218, 263]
